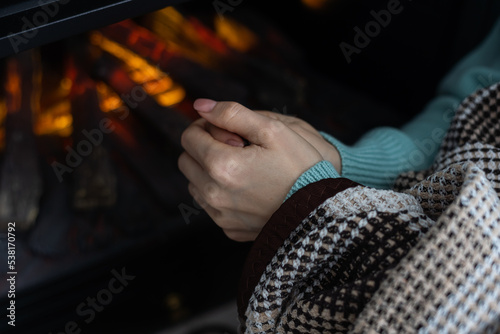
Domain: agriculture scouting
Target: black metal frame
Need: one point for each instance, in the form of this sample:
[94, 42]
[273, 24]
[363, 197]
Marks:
[30, 23]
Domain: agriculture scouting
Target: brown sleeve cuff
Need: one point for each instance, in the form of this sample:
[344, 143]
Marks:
[286, 219]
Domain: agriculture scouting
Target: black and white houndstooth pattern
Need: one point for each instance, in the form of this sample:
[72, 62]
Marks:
[332, 264]
[449, 282]
[424, 258]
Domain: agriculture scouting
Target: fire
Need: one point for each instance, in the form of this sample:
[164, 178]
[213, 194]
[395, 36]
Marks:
[169, 32]
[154, 81]
[235, 34]
[51, 109]
[108, 99]
[53, 115]
[13, 87]
[55, 120]
[188, 37]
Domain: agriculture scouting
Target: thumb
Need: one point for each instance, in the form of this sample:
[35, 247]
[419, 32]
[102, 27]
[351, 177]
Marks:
[233, 117]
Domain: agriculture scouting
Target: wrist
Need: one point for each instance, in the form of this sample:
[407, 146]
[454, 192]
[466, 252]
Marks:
[333, 156]
[321, 170]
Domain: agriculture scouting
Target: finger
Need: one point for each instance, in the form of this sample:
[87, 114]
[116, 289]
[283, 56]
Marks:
[193, 171]
[238, 119]
[225, 136]
[303, 129]
[211, 211]
[208, 190]
[270, 114]
[290, 121]
[232, 233]
[200, 144]
[240, 236]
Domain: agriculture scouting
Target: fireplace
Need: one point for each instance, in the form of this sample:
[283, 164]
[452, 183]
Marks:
[93, 98]
[102, 231]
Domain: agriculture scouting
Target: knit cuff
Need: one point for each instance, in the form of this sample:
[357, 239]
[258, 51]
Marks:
[378, 157]
[322, 170]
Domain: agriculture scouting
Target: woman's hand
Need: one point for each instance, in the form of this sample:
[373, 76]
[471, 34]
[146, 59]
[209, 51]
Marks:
[240, 187]
[302, 128]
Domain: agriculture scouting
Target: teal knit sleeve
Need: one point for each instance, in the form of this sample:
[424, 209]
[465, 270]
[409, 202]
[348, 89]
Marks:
[322, 170]
[383, 153]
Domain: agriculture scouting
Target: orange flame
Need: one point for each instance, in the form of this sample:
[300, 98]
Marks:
[108, 99]
[188, 37]
[13, 87]
[55, 117]
[235, 34]
[51, 110]
[154, 81]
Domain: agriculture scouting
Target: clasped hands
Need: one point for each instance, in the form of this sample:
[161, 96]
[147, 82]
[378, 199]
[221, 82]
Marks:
[240, 186]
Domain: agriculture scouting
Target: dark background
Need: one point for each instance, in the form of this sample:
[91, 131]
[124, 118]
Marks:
[402, 66]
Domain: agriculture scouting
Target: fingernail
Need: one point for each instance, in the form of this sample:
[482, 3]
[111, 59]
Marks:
[235, 143]
[204, 105]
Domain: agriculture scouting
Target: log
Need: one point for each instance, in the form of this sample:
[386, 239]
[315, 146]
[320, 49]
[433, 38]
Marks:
[49, 236]
[94, 179]
[165, 121]
[196, 79]
[153, 165]
[145, 136]
[20, 179]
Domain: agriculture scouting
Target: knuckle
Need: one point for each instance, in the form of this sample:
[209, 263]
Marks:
[227, 173]
[271, 130]
[215, 215]
[194, 192]
[210, 160]
[276, 126]
[223, 170]
[181, 161]
[185, 137]
[213, 163]
[188, 132]
[196, 197]
[212, 195]
[230, 110]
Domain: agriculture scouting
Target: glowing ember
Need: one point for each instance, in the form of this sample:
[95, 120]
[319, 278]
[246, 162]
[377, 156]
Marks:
[108, 99]
[53, 117]
[13, 87]
[188, 37]
[154, 81]
[55, 120]
[235, 34]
